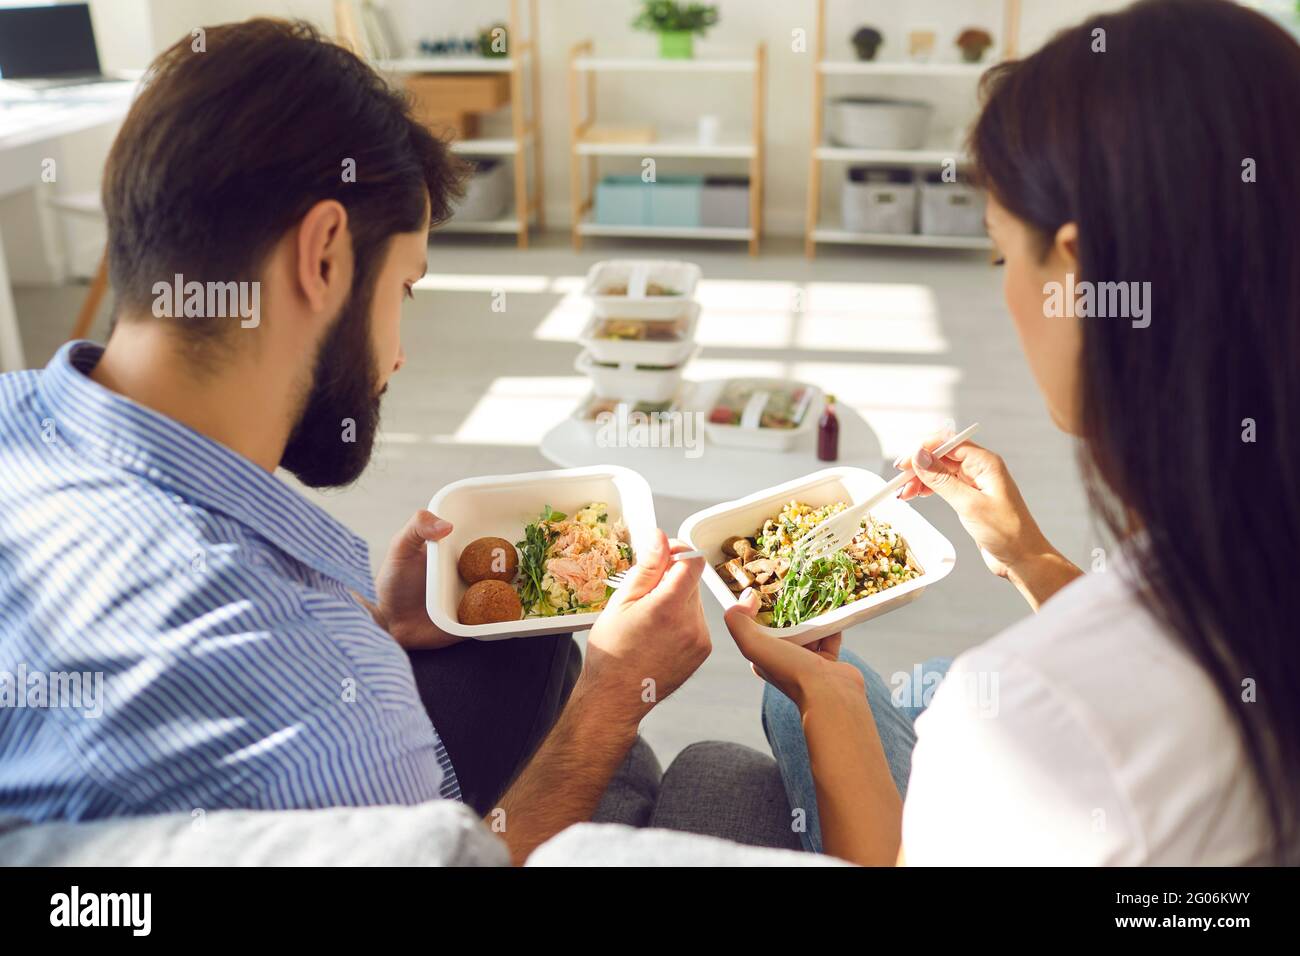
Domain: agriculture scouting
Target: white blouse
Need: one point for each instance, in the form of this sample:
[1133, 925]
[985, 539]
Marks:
[1082, 736]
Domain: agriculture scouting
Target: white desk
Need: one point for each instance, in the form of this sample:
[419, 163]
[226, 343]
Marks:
[718, 473]
[30, 127]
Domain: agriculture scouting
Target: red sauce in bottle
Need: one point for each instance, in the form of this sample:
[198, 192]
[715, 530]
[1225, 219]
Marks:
[828, 433]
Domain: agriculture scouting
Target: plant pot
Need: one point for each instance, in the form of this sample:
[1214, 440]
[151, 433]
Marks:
[972, 54]
[676, 45]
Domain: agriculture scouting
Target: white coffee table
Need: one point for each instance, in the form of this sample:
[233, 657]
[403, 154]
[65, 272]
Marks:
[718, 473]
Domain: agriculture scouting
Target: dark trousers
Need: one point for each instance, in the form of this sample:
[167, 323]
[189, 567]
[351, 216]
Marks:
[493, 702]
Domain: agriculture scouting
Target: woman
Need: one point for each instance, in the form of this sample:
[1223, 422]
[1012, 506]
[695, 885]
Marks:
[1147, 714]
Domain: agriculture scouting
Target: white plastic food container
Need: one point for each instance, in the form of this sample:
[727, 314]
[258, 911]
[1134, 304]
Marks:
[707, 530]
[628, 425]
[637, 275]
[500, 506]
[706, 395]
[642, 351]
[633, 383]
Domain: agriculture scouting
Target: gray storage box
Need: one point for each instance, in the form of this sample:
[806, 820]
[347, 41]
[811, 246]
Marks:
[951, 209]
[879, 200]
[724, 204]
[487, 195]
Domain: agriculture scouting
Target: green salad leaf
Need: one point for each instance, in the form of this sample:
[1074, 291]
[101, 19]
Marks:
[813, 587]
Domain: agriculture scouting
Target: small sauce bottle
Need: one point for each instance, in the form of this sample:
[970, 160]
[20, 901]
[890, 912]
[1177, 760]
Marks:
[828, 433]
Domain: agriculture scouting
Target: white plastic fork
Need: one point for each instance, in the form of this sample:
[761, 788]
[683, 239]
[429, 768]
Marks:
[836, 532]
[616, 580]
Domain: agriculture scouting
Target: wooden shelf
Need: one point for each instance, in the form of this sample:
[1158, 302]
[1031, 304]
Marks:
[584, 154]
[900, 157]
[499, 146]
[834, 232]
[525, 139]
[877, 68]
[588, 228]
[447, 64]
[650, 64]
[820, 151]
[671, 146]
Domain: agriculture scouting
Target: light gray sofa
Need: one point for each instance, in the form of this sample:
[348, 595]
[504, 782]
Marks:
[710, 788]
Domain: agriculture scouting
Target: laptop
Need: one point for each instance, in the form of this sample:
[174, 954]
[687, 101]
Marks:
[49, 46]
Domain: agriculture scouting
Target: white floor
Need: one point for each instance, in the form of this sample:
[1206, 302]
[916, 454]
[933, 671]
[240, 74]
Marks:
[910, 339]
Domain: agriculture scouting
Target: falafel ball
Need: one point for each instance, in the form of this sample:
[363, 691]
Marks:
[489, 602]
[488, 559]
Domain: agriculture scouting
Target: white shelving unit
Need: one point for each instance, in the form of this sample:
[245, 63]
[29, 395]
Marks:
[924, 159]
[524, 145]
[583, 69]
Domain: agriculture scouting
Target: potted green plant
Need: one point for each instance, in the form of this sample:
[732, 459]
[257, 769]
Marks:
[973, 42]
[866, 41]
[676, 24]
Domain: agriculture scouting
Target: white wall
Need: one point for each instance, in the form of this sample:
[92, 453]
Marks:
[130, 31]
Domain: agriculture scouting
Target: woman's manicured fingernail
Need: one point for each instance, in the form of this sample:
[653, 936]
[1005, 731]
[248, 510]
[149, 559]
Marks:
[744, 595]
[441, 526]
[923, 458]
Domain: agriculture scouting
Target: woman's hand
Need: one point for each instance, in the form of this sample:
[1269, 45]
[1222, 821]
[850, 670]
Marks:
[978, 486]
[857, 803]
[800, 673]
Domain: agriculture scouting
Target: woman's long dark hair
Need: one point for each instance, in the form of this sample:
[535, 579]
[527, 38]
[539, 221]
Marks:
[1170, 133]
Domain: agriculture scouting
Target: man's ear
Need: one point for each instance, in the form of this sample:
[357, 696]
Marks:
[324, 254]
[1065, 246]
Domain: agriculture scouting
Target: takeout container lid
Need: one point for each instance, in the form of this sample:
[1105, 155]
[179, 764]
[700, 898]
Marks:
[640, 352]
[674, 273]
[706, 394]
[500, 506]
[707, 529]
[632, 383]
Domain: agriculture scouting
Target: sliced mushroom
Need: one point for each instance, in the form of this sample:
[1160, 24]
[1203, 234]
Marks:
[760, 566]
[745, 549]
[729, 546]
[738, 573]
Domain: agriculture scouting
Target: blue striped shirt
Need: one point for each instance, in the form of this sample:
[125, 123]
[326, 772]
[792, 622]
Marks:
[213, 605]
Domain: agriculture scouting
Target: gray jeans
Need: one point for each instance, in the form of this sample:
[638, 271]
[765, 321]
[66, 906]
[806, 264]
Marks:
[713, 788]
[493, 703]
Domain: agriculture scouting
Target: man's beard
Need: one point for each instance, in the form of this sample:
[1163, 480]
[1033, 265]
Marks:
[331, 444]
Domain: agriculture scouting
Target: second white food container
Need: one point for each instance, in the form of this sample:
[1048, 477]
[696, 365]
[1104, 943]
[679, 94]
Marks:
[707, 529]
[672, 351]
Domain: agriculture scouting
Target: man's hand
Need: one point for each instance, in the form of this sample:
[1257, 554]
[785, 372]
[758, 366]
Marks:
[652, 635]
[648, 640]
[401, 585]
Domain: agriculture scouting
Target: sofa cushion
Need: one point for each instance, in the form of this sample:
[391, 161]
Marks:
[608, 844]
[439, 833]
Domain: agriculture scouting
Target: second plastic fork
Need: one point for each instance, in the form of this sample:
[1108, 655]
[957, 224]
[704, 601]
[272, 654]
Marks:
[835, 533]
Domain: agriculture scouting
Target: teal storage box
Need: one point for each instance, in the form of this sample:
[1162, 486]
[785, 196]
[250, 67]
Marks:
[675, 201]
[622, 201]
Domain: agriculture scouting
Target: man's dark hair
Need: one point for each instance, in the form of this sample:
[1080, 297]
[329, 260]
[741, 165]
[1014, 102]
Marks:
[234, 138]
